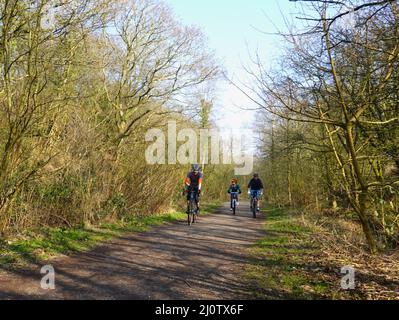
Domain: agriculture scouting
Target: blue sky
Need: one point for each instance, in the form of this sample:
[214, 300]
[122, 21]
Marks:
[232, 28]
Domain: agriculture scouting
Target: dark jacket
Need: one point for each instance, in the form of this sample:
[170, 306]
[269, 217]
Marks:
[255, 184]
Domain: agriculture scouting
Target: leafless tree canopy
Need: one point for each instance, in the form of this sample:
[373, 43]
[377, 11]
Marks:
[80, 84]
[333, 102]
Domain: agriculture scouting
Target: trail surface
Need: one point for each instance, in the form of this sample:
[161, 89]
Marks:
[174, 261]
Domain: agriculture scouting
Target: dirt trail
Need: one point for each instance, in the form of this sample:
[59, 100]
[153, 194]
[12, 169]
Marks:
[175, 261]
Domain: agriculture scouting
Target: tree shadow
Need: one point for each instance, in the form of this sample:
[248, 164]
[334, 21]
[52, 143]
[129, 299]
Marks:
[205, 261]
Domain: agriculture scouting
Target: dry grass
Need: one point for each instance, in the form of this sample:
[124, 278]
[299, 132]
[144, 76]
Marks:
[342, 243]
[302, 255]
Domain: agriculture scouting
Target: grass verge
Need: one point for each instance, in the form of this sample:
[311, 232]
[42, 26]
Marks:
[288, 264]
[47, 243]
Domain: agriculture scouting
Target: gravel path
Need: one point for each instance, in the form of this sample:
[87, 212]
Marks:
[174, 261]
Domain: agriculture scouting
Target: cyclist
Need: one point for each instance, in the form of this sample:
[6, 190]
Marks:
[234, 188]
[193, 182]
[255, 189]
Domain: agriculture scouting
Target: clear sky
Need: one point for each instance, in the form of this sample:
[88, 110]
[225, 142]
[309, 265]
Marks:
[234, 31]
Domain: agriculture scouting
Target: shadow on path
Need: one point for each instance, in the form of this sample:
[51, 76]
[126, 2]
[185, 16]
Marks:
[204, 261]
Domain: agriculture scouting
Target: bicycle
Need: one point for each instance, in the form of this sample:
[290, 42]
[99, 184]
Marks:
[254, 202]
[234, 202]
[193, 208]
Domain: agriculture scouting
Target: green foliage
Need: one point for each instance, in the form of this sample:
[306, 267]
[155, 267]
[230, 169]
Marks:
[56, 193]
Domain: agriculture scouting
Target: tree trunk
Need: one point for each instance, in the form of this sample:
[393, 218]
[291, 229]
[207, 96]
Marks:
[366, 224]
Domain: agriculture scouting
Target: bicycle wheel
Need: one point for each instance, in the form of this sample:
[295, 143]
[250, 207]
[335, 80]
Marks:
[190, 213]
[254, 207]
[234, 206]
[194, 210]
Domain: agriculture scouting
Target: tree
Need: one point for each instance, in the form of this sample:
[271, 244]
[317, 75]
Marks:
[345, 84]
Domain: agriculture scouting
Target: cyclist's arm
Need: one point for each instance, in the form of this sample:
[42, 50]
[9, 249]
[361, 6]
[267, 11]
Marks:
[249, 185]
[187, 181]
[200, 181]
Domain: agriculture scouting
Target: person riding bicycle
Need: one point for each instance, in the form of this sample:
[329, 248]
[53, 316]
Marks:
[193, 183]
[234, 188]
[255, 189]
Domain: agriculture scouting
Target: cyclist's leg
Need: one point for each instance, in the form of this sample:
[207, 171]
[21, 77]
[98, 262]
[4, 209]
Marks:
[253, 195]
[197, 199]
[188, 200]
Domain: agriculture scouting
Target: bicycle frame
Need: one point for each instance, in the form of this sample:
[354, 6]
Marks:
[254, 202]
[193, 204]
[234, 200]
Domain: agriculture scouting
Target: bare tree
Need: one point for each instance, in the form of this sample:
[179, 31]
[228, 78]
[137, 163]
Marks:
[341, 78]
